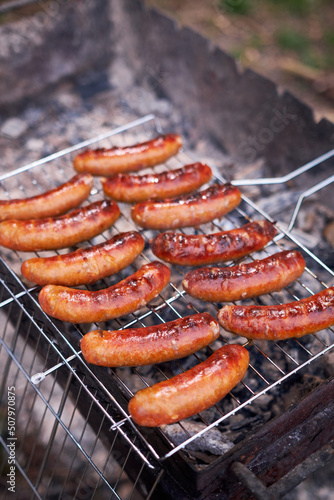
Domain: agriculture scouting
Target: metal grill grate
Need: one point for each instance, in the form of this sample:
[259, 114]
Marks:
[33, 345]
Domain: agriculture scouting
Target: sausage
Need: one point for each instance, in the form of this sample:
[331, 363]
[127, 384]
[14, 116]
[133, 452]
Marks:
[187, 210]
[127, 296]
[152, 344]
[190, 392]
[135, 188]
[280, 322]
[86, 265]
[200, 250]
[130, 158]
[59, 232]
[51, 203]
[244, 281]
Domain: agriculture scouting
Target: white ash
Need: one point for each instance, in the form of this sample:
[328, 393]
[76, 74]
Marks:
[214, 441]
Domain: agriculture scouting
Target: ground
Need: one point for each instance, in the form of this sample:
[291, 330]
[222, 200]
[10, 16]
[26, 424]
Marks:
[289, 41]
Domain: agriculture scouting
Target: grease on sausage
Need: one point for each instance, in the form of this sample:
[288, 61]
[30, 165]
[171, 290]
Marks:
[152, 344]
[55, 202]
[199, 250]
[244, 281]
[127, 296]
[136, 188]
[188, 210]
[192, 391]
[59, 232]
[86, 265]
[130, 158]
[280, 322]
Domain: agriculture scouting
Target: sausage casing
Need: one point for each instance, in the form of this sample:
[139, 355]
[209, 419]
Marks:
[130, 158]
[129, 295]
[187, 210]
[279, 322]
[86, 265]
[244, 281]
[131, 188]
[152, 344]
[192, 391]
[51, 203]
[199, 250]
[59, 232]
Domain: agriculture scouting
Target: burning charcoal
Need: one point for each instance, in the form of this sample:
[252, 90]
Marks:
[213, 441]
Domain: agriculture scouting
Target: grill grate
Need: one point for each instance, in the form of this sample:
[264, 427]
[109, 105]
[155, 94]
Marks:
[108, 390]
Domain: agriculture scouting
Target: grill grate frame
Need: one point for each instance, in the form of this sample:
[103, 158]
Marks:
[172, 303]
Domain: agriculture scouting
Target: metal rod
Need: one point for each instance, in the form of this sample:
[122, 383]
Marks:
[284, 178]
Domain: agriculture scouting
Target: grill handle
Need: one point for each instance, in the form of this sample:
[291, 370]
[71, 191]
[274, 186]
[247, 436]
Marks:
[297, 475]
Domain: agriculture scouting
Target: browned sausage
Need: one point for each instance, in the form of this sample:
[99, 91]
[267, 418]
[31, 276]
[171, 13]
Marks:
[152, 344]
[86, 265]
[51, 203]
[280, 322]
[130, 158]
[135, 188]
[243, 281]
[59, 232]
[192, 391]
[129, 295]
[199, 250]
[188, 210]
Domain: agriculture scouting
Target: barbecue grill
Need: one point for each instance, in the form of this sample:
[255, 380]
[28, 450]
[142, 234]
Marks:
[74, 437]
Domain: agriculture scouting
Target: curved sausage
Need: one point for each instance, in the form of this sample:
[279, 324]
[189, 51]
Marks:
[127, 296]
[188, 210]
[199, 250]
[244, 281]
[86, 265]
[130, 158]
[59, 232]
[280, 322]
[135, 188]
[192, 391]
[152, 344]
[51, 203]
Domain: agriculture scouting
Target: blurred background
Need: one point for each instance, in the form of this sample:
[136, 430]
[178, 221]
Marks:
[289, 41]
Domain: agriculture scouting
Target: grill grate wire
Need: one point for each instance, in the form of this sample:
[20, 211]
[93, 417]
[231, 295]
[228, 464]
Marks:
[172, 304]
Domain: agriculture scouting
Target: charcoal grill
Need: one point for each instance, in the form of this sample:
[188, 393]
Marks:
[87, 444]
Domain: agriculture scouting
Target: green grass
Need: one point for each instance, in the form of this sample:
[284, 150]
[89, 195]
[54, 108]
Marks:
[239, 7]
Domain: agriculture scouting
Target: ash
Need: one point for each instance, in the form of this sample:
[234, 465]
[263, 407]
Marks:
[83, 108]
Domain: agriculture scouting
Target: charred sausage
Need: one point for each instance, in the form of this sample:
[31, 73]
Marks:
[59, 232]
[129, 295]
[192, 391]
[188, 210]
[51, 203]
[280, 322]
[130, 158]
[86, 265]
[244, 281]
[152, 344]
[199, 250]
[135, 188]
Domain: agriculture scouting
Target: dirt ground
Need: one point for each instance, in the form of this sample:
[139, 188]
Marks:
[289, 41]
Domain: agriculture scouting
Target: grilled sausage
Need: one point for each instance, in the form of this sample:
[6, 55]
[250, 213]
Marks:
[199, 250]
[243, 281]
[51, 203]
[130, 158]
[59, 232]
[188, 210]
[86, 265]
[192, 391]
[127, 296]
[152, 344]
[280, 322]
[135, 188]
